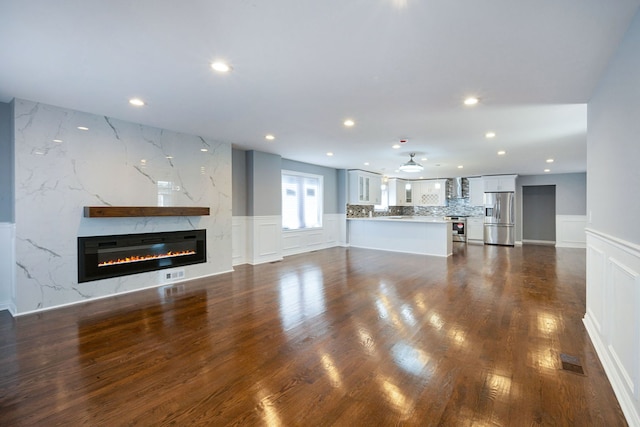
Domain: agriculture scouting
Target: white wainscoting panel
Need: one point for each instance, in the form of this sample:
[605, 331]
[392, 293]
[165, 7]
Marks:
[613, 315]
[7, 267]
[623, 310]
[261, 239]
[264, 239]
[570, 231]
[596, 261]
[239, 249]
[301, 241]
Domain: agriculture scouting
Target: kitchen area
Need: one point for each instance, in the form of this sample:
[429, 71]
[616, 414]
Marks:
[435, 213]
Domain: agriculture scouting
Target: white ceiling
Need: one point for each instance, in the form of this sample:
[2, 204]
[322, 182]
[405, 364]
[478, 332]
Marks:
[399, 68]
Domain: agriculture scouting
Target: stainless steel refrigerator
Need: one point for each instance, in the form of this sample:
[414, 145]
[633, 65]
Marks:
[499, 219]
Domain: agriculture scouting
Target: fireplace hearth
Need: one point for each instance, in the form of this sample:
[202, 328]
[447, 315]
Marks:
[101, 257]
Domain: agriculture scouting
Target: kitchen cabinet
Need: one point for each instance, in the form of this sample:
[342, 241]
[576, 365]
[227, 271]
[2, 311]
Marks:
[499, 183]
[475, 228]
[365, 188]
[430, 192]
[476, 191]
[400, 192]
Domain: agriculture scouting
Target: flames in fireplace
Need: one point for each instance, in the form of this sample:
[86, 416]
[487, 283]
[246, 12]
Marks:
[138, 258]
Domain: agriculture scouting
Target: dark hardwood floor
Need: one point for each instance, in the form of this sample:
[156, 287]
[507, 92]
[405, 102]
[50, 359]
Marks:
[337, 337]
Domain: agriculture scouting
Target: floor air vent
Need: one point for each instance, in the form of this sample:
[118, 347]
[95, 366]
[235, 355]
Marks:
[571, 364]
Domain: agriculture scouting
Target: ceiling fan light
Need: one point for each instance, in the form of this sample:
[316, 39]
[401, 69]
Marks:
[411, 165]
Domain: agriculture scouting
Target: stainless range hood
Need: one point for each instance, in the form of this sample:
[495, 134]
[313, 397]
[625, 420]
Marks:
[457, 187]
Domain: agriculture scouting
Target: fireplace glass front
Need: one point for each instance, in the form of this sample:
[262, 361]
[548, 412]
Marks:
[101, 257]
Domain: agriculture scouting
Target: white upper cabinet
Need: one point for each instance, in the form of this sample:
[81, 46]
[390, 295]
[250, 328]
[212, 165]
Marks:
[365, 188]
[476, 191]
[430, 192]
[400, 192]
[499, 183]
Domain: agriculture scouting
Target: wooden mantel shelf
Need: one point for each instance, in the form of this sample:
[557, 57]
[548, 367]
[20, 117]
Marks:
[133, 211]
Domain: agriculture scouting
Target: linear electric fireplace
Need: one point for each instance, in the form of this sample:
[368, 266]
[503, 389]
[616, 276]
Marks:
[101, 257]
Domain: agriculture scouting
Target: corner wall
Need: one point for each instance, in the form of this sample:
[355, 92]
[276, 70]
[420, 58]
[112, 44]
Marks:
[7, 227]
[6, 163]
[114, 163]
[613, 247]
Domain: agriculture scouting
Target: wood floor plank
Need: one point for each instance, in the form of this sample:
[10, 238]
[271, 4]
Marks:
[342, 336]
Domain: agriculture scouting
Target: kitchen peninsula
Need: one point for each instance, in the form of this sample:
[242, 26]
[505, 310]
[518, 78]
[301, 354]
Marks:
[410, 234]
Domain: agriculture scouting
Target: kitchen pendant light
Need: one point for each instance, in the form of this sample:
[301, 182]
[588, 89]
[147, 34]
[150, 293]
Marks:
[411, 165]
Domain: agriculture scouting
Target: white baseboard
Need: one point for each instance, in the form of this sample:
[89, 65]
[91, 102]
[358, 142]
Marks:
[10, 308]
[625, 399]
[538, 242]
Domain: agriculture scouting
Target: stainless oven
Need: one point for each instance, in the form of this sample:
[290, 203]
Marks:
[458, 228]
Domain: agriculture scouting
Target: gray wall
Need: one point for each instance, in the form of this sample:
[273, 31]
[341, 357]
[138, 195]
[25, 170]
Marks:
[539, 213]
[6, 164]
[571, 190]
[239, 182]
[264, 183]
[571, 194]
[613, 146]
[256, 183]
[330, 181]
[341, 196]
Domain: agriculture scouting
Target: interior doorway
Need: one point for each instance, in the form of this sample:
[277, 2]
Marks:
[539, 214]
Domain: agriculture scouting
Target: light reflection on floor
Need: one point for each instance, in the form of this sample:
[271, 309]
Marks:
[301, 297]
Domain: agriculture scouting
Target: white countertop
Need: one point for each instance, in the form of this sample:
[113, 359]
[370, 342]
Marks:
[431, 219]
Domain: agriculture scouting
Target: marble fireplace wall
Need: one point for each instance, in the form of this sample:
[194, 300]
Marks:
[59, 169]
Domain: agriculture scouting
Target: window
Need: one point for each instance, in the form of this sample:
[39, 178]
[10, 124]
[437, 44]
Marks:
[301, 200]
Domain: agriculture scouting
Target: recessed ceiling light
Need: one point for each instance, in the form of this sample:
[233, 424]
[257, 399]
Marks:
[169, 157]
[221, 67]
[460, 166]
[547, 170]
[57, 140]
[329, 154]
[549, 160]
[349, 123]
[270, 137]
[472, 100]
[83, 128]
[501, 153]
[490, 135]
[204, 150]
[137, 102]
[395, 146]
[424, 159]
[366, 163]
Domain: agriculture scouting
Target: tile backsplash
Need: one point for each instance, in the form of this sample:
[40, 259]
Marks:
[454, 207]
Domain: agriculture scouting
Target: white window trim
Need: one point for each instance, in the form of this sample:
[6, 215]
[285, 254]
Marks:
[320, 179]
